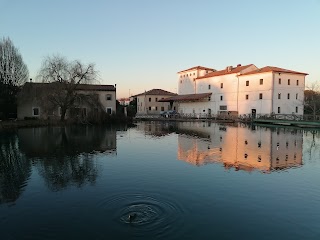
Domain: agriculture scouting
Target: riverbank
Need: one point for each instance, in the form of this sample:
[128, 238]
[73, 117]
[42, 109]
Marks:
[15, 124]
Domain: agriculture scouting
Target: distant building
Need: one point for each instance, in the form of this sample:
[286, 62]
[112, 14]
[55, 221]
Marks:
[124, 101]
[240, 90]
[91, 99]
[148, 102]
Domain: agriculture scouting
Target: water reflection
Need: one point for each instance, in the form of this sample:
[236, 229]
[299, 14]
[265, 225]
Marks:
[15, 169]
[62, 156]
[240, 147]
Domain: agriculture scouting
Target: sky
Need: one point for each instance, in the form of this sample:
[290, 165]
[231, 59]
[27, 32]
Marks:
[142, 44]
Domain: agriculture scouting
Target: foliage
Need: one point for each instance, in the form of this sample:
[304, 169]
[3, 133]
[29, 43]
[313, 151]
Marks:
[66, 77]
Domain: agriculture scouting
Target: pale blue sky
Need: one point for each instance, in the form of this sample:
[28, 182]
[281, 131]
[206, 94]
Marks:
[142, 44]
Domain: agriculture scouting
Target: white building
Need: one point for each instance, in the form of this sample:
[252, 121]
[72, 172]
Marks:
[149, 102]
[240, 90]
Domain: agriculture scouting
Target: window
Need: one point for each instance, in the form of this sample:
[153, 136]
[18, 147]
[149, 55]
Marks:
[288, 95]
[180, 81]
[279, 81]
[149, 108]
[221, 98]
[194, 74]
[174, 108]
[109, 110]
[297, 82]
[149, 99]
[279, 110]
[209, 86]
[279, 95]
[260, 95]
[35, 111]
[296, 95]
[296, 109]
[156, 108]
[108, 97]
[247, 83]
[156, 99]
[247, 96]
[261, 81]
[223, 107]
[209, 99]
[221, 85]
[162, 108]
[288, 81]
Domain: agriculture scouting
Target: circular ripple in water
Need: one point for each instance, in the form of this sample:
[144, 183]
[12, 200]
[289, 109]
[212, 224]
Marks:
[157, 216]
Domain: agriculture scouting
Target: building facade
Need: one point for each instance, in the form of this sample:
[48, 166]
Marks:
[148, 103]
[240, 90]
[34, 101]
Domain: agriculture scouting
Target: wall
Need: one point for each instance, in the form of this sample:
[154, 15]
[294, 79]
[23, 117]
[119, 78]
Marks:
[143, 104]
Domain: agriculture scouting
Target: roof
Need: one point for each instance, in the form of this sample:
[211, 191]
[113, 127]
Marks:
[83, 87]
[197, 68]
[156, 92]
[186, 97]
[273, 69]
[94, 87]
[226, 71]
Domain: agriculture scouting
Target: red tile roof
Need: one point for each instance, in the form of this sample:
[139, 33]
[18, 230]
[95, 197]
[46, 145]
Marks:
[197, 68]
[186, 97]
[156, 92]
[273, 69]
[84, 87]
[237, 69]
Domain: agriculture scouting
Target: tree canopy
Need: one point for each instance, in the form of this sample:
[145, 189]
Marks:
[65, 77]
[13, 71]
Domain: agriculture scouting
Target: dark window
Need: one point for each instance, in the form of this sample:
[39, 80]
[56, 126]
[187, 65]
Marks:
[223, 107]
[260, 95]
[288, 81]
[247, 96]
[156, 99]
[288, 95]
[35, 111]
[296, 109]
[247, 83]
[279, 95]
[109, 110]
[296, 95]
[150, 108]
[297, 82]
[209, 99]
[279, 110]
[221, 85]
[162, 108]
[108, 97]
[279, 81]
[209, 86]
[221, 98]
[149, 99]
[156, 108]
[261, 81]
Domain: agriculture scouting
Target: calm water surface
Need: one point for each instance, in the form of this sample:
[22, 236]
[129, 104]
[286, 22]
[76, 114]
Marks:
[176, 180]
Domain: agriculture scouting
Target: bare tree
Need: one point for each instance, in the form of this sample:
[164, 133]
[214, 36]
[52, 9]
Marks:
[13, 74]
[65, 78]
[312, 99]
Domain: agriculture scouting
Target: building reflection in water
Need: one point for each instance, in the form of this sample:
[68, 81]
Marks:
[64, 156]
[241, 148]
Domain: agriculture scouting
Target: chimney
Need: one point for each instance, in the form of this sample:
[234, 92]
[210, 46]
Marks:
[229, 68]
[239, 65]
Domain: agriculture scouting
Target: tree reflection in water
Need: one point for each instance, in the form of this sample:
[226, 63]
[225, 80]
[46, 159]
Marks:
[15, 169]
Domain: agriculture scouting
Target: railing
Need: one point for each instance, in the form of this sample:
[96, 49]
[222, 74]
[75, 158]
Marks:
[290, 117]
